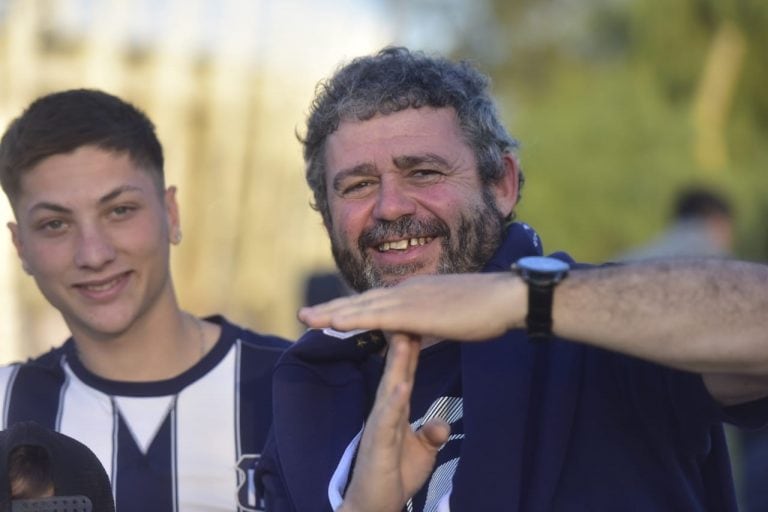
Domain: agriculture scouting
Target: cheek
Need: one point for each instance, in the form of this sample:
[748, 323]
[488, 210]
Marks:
[452, 206]
[146, 235]
[48, 258]
[148, 245]
[341, 233]
[348, 219]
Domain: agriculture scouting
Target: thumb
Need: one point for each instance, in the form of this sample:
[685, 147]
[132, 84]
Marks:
[434, 434]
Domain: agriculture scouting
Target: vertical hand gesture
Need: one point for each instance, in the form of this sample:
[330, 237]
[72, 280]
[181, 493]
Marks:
[393, 461]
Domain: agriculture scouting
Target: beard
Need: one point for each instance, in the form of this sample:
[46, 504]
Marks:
[467, 248]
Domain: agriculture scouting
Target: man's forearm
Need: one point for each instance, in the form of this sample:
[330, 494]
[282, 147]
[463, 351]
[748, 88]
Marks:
[699, 315]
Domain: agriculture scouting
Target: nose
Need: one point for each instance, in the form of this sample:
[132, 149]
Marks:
[393, 201]
[94, 248]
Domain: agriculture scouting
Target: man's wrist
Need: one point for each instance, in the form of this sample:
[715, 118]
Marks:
[541, 274]
[515, 293]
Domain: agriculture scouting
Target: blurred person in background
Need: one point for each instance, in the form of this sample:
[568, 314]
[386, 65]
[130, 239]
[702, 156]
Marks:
[176, 407]
[43, 470]
[702, 224]
[566, 386]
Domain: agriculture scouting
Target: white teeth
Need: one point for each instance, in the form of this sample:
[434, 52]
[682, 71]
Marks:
[401, 245]
[100, 287]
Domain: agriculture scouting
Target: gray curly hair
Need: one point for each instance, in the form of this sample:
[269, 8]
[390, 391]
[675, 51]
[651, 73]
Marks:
[396, 79]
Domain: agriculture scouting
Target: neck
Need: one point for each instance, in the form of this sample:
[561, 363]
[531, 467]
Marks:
[159, 345]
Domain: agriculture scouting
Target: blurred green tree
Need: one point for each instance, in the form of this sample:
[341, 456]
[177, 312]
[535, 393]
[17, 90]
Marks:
[618, 103]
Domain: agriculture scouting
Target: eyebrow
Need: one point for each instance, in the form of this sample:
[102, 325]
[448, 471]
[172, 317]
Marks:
[366, 169]
[411, 161]
[401, 162]
[109, 196]
[106, 198]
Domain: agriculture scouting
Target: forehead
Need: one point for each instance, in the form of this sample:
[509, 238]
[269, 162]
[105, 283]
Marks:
[408, 132]
[84, 174]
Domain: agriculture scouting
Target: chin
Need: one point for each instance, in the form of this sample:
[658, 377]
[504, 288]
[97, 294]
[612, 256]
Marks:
[397, 279]
[102, 327]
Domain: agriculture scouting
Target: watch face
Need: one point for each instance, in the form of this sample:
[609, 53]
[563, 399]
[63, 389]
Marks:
[542, 264]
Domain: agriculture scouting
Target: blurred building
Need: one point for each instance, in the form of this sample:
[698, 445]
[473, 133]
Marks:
[228, 84]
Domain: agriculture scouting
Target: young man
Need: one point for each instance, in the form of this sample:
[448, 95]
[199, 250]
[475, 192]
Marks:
[176, 407]
[605, 392]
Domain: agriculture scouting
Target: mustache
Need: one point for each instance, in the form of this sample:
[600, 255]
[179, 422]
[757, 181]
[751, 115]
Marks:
[404, 227]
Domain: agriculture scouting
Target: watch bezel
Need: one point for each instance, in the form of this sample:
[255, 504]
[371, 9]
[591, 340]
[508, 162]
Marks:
[541, 270]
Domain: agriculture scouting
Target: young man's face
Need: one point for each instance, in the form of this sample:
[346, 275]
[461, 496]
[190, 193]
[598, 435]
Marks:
[405, 198]
[93, 230]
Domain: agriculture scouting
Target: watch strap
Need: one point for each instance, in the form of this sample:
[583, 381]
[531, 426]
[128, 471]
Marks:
[539, 318]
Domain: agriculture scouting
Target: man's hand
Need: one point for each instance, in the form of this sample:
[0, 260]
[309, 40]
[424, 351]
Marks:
[393, 461]
[458, 306]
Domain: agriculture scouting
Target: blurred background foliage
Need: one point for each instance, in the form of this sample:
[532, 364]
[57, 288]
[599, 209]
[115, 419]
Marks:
[617, 104]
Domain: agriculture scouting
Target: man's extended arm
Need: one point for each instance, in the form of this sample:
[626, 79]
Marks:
[707, 316]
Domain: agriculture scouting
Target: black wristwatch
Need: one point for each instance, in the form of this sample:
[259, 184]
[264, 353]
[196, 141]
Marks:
[542, 275]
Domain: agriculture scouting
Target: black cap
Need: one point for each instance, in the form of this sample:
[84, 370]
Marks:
[75, 469]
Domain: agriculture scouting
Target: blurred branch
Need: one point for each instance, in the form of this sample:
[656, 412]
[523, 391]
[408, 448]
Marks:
[714, 97]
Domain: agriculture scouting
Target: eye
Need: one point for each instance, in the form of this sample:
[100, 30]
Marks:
[357, 188]
[52, 226]
[122, 211]
[426, 175]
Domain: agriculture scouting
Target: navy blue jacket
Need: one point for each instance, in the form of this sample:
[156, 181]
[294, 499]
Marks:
[549, 426]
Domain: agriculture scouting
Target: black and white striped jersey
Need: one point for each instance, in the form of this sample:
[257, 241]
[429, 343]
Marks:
[185, 444]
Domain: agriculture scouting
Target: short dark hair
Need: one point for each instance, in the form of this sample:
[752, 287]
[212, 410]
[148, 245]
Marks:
[396, 79]
[64, 121]
[699, 203]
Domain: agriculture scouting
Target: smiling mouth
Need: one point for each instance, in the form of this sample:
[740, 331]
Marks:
[401, 245]
[102, 286]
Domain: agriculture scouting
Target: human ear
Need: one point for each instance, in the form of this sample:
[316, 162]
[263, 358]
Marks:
[172, 215]
[506, 189]
[16, 239]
